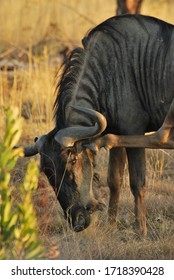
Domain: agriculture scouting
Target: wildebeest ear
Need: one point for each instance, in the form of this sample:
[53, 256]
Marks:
[36, 148]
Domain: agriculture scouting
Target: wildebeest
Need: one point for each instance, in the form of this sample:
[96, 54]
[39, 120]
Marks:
[113, 90]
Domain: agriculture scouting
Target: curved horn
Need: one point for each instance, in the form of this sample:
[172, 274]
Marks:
[68, 136]
[34, 149]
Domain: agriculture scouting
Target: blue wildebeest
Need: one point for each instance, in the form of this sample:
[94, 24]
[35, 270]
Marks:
[115, 88]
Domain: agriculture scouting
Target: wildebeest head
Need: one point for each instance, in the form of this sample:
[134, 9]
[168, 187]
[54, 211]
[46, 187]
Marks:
[69, 167]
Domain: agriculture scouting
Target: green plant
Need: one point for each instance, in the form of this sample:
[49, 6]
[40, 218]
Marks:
[18, 239]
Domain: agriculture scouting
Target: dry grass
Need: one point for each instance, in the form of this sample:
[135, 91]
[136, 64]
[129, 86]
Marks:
[101, 241]
[33, 87]
[28, 22]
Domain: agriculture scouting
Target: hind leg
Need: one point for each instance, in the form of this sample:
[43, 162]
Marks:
[136, 164]
[115, 178]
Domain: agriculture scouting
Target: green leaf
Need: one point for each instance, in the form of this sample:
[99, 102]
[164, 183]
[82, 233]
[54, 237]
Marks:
[8, 232]
[13, 220]
[18, 221]
[35, 251]
[6, 212]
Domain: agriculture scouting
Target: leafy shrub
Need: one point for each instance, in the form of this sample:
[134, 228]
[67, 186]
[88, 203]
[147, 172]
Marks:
[18, 239]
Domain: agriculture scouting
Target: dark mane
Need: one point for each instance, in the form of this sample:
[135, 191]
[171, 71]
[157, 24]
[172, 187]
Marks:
[70, 72]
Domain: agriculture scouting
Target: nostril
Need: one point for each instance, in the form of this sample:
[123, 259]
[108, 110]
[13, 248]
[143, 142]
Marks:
[88, 207]
[79, 223]
[80, 220]
[78, 228]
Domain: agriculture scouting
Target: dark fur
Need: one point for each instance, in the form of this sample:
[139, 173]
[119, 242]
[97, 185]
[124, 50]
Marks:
[126, 72]
[131, 58]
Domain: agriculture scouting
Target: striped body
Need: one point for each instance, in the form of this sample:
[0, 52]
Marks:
[126, 72]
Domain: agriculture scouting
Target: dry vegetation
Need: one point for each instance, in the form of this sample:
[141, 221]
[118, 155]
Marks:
[30, 87]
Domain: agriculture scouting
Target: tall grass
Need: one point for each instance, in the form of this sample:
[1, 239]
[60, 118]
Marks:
[30, 88]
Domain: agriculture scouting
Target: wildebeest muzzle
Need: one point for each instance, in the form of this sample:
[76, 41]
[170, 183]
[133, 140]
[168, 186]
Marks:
[78, 217]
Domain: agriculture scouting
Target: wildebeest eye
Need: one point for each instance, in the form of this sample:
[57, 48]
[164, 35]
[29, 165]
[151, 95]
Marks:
[72, 161]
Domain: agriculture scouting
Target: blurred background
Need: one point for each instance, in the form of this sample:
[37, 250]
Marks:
[30, 22]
